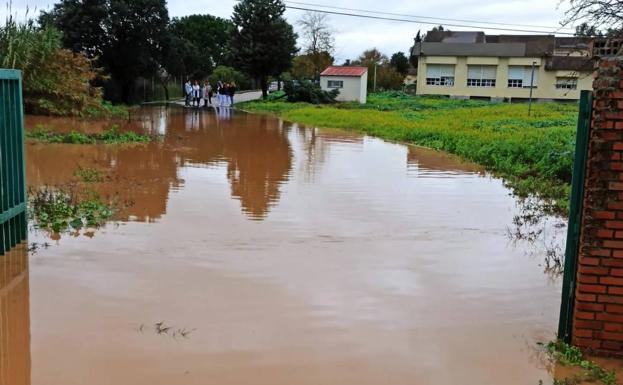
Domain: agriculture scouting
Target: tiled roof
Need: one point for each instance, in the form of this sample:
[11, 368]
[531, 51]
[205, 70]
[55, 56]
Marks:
[344, 71]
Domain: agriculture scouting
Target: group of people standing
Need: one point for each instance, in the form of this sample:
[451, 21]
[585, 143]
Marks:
[195, 93]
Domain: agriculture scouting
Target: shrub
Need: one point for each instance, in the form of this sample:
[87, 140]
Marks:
[308, 92]
[56, 81]
[59, 210]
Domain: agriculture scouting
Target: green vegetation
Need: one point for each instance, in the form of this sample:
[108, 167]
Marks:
[56, 81]
[59, 210]
[568, 355]
[89, 175]
[107, 110]
[228, 75]
[109, 136]
[308, 92]
[533, 154]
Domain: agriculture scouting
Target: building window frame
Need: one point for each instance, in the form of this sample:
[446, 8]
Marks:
[446, 81]
[515, 83]
[520, 76]
[335, 83]
[481, 76]
[566, 83]
[440, 75]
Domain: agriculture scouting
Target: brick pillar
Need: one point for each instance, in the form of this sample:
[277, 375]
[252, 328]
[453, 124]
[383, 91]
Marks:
[598, 313]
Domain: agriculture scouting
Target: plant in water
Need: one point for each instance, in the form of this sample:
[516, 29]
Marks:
[111, 135]
[568, 355]
[89, 175]
[60, 210]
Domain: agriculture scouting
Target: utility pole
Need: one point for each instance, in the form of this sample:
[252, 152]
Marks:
[531, 87]
[374, 77]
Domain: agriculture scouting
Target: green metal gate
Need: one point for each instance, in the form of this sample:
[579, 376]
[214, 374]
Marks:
[565, 324]
[13, 224]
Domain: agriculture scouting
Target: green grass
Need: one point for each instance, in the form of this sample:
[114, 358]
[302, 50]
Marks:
[109, 136]
[533, 154]
[568, 355]
[89, 175]
[107, 110]
[57, 210]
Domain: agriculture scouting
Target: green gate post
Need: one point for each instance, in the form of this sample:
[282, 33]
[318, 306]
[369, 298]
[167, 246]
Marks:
[13, 221]
[565, 325]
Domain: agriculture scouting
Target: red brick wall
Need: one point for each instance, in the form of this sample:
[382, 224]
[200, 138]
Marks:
[598, 314]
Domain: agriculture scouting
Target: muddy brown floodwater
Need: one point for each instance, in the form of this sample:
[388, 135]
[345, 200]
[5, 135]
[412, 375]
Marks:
[255, 251]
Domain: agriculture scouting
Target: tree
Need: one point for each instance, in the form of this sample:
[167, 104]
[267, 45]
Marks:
[125, 36]
[400, 63]
[202, 41]
[585, 30]
[172, 62]
[84, 24]
[56, 81]
[263, 44]
[387, 78]
[418, 37]
[307, 66]
[371, 57]
[596, 13]
[318, 40]
[228, 75]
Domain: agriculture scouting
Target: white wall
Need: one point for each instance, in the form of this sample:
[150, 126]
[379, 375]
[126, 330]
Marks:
[355, 87]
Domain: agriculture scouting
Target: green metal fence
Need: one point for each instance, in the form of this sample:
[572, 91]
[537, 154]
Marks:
[13, 223]
[565, 324]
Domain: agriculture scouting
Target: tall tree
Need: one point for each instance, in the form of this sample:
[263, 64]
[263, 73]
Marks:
[85, 25]
[56, 81]
[602, 14]
[400, 63]
[371, 57]
[585, 30]
[318, 39]
[263, 44]
[203, 41]
[386, 76]
[126, 36]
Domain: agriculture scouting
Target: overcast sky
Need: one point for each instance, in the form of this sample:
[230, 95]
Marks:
[353, 35]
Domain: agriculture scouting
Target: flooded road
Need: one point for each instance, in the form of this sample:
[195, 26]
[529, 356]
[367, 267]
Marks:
[254, 251]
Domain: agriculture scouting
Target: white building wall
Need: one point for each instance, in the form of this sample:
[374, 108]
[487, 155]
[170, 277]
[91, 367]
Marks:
[354, 90]
[363, 90]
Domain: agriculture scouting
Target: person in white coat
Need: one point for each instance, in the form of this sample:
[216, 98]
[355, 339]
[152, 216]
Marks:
[196, 94]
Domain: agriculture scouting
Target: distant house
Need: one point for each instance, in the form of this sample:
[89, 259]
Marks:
[352, 82]
[475, 65]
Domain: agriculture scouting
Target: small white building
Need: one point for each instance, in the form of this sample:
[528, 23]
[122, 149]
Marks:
[351, 81]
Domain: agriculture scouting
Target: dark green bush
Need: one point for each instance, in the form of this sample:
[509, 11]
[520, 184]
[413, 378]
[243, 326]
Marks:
[308, 92]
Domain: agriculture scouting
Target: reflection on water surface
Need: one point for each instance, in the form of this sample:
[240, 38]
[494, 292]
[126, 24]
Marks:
[296, 255]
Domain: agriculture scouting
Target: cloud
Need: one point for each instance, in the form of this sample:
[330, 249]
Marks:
[354, 35]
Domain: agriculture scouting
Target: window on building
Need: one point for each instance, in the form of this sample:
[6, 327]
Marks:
[481, 76]
[335, 83]
[520, 76]
[567, 83]
[440, 75]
